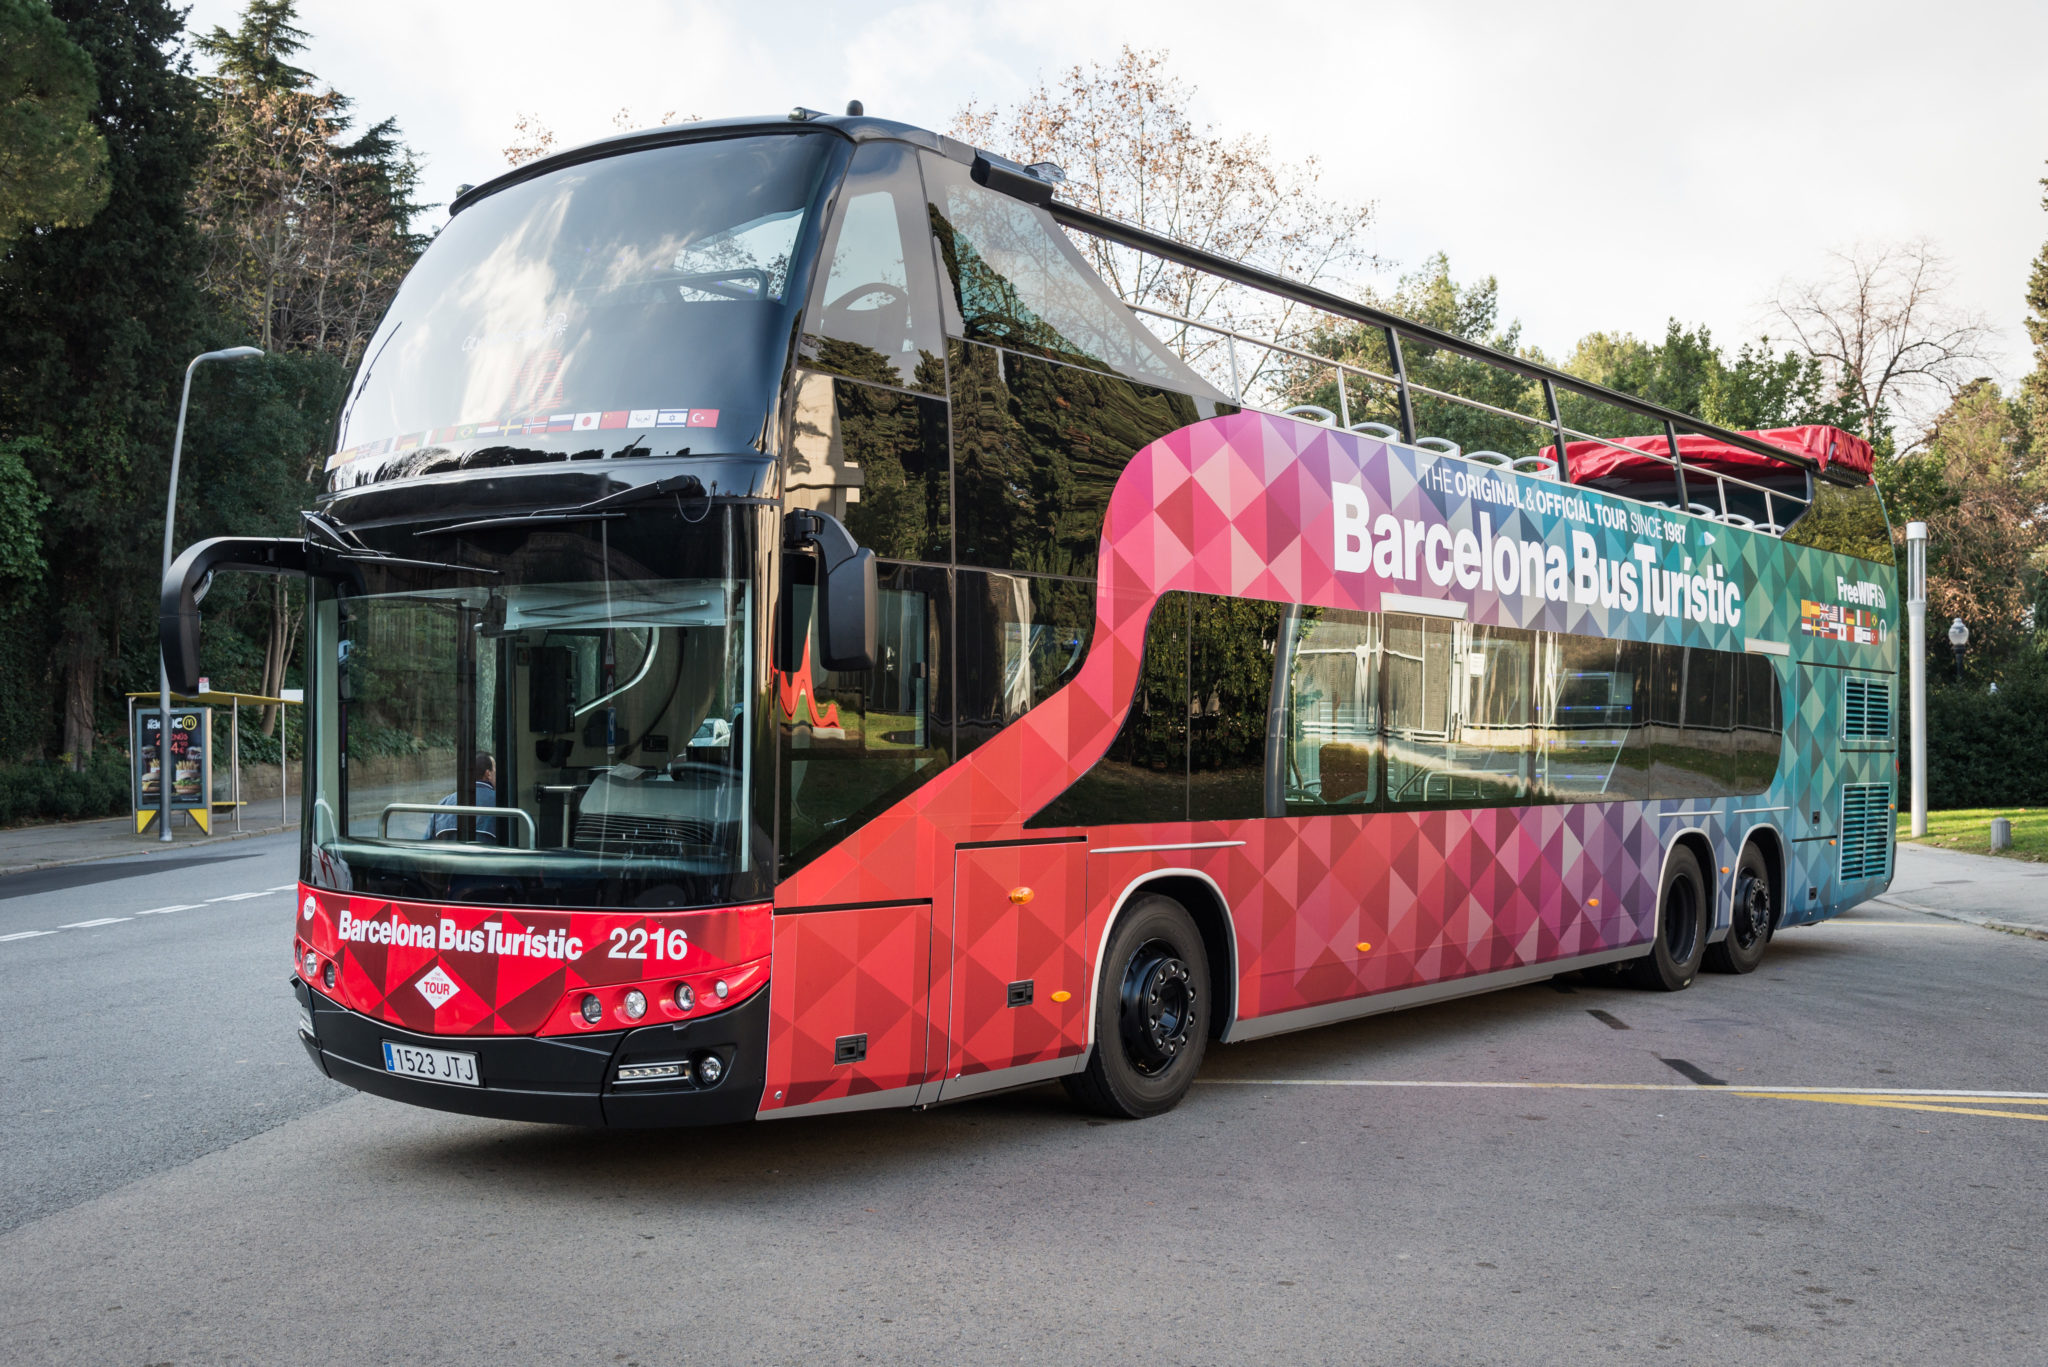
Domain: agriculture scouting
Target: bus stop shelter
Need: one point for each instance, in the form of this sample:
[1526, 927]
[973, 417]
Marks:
[236, 702]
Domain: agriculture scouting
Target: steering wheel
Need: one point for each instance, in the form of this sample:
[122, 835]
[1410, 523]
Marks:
[893, 297]
[696, 773]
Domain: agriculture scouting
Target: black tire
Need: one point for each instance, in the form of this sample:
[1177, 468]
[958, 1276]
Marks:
[1751, 919]
[1684, 917]
[1151, 1013]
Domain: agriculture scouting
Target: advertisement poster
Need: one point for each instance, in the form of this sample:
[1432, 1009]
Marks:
[191, 772]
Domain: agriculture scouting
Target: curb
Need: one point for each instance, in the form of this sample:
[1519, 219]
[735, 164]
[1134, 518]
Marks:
[1985, 922]
[202, 843]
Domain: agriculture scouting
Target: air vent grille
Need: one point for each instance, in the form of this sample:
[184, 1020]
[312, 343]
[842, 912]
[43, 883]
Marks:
[1866, 832]
[1866, 709]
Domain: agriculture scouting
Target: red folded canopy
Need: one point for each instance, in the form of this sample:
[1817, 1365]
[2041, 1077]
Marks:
[1830, 446]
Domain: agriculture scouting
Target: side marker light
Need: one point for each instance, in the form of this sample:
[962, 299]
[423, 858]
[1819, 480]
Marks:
[1019, 896]
[1062, 996]
[1364, 945]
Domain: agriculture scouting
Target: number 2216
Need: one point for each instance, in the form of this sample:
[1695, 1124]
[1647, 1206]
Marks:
[637, 942]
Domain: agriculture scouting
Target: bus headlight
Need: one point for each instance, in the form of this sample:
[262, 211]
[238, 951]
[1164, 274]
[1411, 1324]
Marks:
[686, 997]
[327, 976]
[636, 1004]
[720, 988]
[592, 1008]
[312, 964]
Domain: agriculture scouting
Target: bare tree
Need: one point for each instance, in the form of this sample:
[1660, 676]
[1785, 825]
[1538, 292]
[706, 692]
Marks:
[1886, 335]
[1126, 136]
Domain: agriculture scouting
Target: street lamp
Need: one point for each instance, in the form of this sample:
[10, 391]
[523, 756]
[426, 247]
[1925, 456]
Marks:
[1958, 640]
[163, 672]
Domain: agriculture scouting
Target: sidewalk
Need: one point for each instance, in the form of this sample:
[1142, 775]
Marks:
[80, 842]
[2002, 894]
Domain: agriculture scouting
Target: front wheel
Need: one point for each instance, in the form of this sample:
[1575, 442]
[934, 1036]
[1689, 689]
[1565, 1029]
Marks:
[1151, 1014]
[1682, 925]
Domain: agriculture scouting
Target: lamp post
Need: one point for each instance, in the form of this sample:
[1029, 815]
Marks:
[163, 672]
[1916, 671]
[1958, 641]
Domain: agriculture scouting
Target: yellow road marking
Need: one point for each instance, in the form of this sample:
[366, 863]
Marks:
[1890, 1104]
[1889, 1098]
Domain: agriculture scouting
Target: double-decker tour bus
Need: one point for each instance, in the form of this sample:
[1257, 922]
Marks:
[784, 637]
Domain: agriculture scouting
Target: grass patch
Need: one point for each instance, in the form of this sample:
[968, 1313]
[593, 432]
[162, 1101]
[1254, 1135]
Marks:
[1969, 829]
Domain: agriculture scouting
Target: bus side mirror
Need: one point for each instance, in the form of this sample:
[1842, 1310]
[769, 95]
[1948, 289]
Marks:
[186, 583]
[849, 597]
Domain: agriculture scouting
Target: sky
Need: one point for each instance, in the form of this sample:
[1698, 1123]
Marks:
[1613, 165]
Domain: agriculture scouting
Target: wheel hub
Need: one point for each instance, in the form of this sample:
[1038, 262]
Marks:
[1156, 1007]
[1752, 918]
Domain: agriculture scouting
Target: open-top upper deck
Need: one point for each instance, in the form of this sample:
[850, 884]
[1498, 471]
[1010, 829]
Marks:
[482, 366]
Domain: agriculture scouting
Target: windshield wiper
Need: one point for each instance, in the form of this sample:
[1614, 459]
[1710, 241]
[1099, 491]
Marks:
[346, 545]
[598, 509]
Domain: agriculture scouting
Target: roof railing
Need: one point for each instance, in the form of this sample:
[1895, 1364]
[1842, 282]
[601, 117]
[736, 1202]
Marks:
[1553, 426]
[1395, 328]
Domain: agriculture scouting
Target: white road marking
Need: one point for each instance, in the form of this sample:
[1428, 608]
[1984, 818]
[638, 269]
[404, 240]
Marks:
[151, 911]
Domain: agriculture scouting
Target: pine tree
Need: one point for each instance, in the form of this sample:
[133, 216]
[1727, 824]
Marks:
[2034, 390]
[53, 162]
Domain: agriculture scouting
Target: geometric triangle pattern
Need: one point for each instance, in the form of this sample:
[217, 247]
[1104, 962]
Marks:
[1246, 505]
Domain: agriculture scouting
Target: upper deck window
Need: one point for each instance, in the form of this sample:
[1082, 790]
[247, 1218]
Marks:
[636, 304]
[1016, 281]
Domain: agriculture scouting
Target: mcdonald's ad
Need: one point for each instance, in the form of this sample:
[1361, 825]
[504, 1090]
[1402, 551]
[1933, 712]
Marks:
[191, 774]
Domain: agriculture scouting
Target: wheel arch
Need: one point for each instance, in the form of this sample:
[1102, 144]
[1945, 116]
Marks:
[1694, 840]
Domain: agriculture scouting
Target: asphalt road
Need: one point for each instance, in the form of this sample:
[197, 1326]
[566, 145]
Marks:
[184, 1189]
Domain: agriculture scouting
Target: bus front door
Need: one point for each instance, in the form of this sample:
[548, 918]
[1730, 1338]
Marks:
[1018, 989]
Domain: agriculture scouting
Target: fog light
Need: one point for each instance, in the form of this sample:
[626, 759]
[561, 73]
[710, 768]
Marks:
[592, 1008]
[636, 1004]
[709, 1070]
[720, 988]
[312, 964]
[685, 997]
[327, 975]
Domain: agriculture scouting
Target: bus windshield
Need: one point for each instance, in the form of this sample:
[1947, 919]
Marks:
[565, 723]
[636, 303]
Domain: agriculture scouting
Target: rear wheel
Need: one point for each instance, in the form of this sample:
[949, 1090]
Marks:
[1750, 919]
[1151, 1013]
[1674, 957]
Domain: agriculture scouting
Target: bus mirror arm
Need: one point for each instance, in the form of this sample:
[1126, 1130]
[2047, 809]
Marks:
[848, 592]
[186, 584]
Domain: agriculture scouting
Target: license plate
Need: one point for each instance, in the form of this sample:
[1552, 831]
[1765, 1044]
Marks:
[435, 1065]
